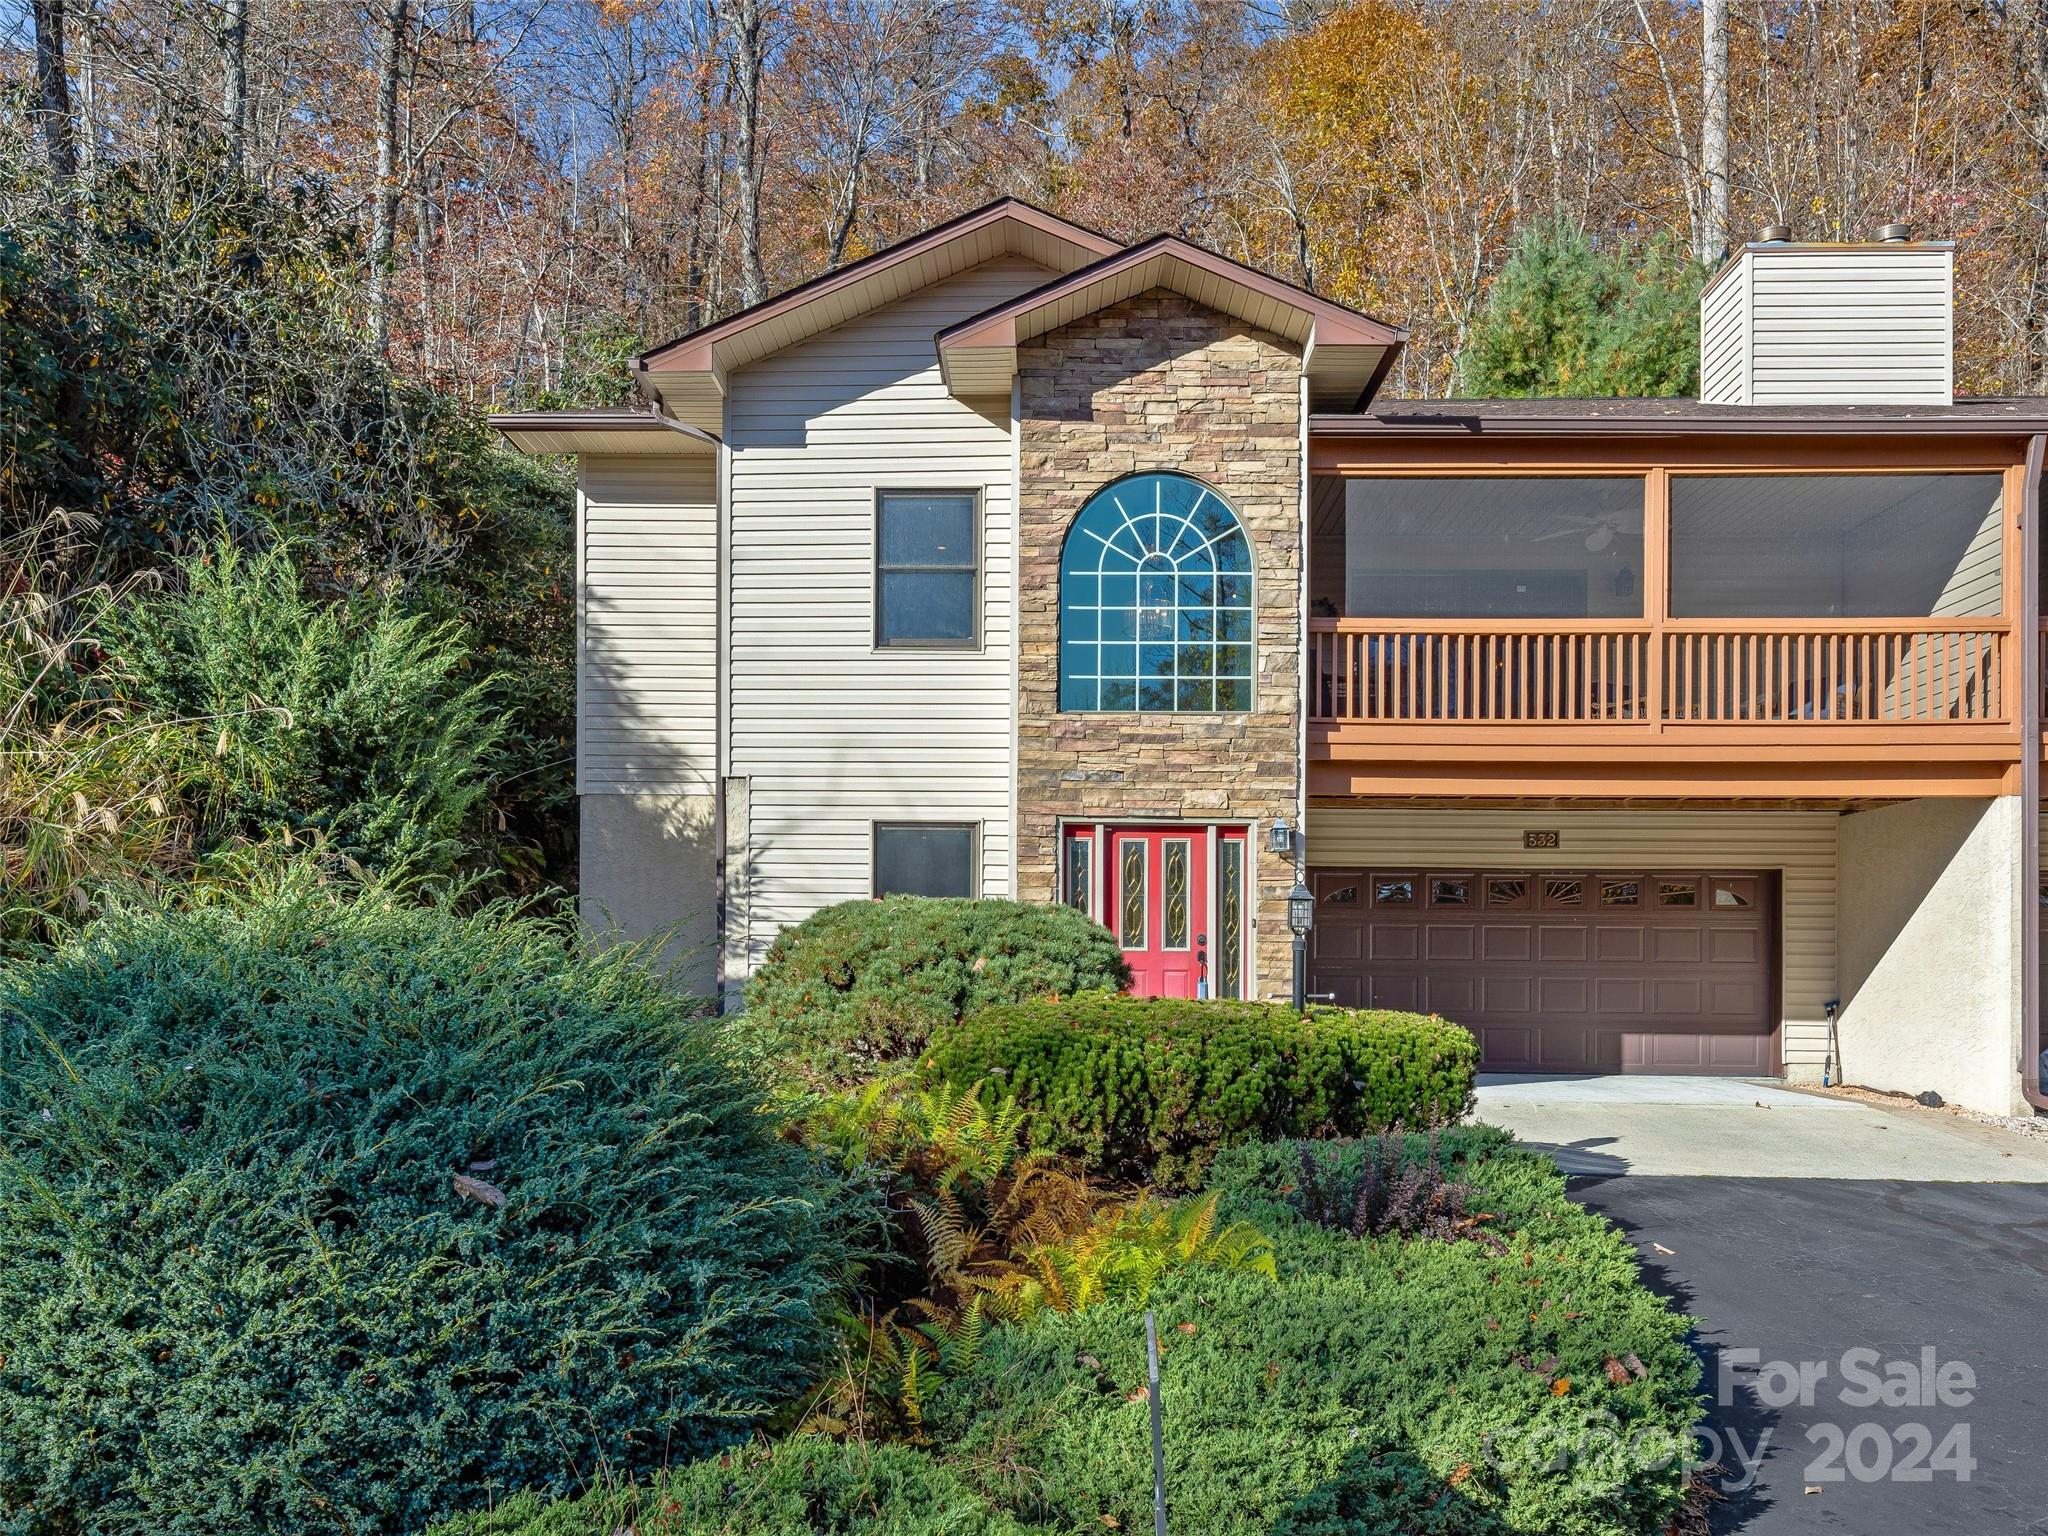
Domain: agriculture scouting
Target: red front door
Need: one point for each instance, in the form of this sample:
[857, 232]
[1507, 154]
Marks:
[1155, 896]
[1176, 897]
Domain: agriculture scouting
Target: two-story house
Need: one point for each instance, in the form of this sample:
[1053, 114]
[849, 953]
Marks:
[1653, 735]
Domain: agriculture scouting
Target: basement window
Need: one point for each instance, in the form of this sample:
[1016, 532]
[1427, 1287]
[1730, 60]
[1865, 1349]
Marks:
[923, 859]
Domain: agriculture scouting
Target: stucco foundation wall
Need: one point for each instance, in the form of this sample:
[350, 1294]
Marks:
[1930, 935]
[1799, 845]
[650, 866]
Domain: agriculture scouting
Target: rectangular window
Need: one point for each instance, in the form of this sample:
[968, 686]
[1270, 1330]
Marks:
[1230, 918]
[1837, 546]
[1174, 894]
[1485, 546]
[913, 859]
[1131, 895]
[926, 557]
[1079, 852]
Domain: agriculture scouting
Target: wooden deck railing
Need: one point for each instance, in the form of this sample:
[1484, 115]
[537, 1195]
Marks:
[1785, 672]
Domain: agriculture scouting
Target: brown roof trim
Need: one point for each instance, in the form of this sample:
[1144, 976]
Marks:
[703, 338]
[1908, 423]
[1351, 327]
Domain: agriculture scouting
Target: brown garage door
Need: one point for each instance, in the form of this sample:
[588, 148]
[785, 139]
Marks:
[1636, 971]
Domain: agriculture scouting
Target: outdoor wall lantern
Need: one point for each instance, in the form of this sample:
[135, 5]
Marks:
[1301, 916]
[1281, 838]
[1301, 908]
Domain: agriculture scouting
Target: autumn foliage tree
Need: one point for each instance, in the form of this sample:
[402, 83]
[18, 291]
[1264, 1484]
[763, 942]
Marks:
[558, 170]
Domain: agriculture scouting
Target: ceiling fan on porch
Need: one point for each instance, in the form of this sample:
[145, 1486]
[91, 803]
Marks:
[1598, 529]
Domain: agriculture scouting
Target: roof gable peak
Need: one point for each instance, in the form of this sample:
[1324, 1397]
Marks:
[688, 374]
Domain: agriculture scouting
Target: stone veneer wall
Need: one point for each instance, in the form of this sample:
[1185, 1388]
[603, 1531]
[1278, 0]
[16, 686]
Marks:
[1161, 383]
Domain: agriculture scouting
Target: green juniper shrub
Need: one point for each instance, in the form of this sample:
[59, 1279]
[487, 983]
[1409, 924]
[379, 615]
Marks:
[803, 1486]
[324, 1213]
[1385, 1386]
[1150, 1088]
[348, 722]
[864, 983]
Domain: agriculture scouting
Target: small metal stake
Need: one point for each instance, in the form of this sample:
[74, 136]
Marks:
[1158, 1434]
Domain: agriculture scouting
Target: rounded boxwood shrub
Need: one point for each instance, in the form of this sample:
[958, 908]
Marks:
[323, 1213]
[866, 982]
[806, 1486]
[1150, 1088]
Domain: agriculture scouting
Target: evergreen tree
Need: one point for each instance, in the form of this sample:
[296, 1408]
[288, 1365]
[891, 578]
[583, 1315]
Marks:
[1566, 318]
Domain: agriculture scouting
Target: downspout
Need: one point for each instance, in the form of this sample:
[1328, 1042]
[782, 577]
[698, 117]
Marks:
[1301, 682]
[2030, 639]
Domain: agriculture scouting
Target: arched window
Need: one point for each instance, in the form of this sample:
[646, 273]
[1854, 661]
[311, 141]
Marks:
[1156, 601]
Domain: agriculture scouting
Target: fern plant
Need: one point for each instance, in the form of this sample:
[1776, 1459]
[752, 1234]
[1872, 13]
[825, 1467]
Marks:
[986, 1231]
[1123, 1254]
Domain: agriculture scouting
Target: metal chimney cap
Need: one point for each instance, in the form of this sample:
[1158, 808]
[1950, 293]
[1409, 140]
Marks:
[1774, 234]
[1894, 234]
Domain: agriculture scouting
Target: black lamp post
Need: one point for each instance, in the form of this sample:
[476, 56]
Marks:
[1301, 916]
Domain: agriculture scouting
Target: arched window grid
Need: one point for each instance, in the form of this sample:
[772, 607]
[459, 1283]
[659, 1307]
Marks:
[1156, 601]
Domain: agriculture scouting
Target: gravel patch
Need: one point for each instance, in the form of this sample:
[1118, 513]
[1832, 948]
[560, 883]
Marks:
[2034, 1125]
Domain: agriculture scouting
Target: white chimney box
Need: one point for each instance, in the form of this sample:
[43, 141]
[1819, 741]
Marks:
[1788, 322]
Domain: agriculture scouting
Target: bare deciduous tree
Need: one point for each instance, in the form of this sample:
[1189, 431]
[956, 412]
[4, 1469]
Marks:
[53, 90]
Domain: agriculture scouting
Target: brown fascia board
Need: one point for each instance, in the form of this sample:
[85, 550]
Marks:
[1790, 424]
[997, 327]
[692, 352]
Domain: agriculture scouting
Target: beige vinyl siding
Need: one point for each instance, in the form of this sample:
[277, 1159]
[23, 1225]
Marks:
[831, 733]
[1801, 845]
[1724, 343]
[1977, 589]
[1842, 325]
[646, 623]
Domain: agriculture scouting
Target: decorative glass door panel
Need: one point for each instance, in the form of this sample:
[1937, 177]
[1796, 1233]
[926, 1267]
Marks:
[1174, 897]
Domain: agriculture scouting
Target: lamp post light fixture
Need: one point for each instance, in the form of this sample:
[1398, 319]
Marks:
[1301, 917]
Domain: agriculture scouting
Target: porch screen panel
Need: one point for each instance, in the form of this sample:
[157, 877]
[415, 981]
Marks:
[1837, 546]
[1488, 546]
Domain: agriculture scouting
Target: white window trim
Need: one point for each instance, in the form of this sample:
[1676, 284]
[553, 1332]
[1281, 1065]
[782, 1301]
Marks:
[877, 827]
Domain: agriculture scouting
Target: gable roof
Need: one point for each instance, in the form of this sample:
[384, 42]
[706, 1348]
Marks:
[1346, 353]
[688, 375]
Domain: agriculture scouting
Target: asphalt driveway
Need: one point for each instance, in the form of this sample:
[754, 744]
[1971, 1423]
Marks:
[1872, 1285]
